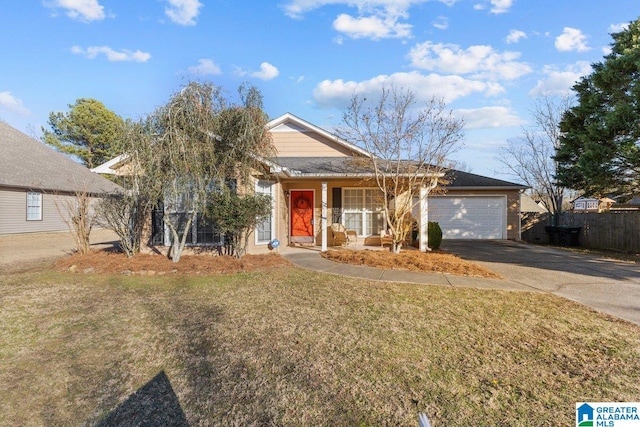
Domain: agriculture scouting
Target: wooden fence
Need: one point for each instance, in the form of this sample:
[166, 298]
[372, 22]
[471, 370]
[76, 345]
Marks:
[618, 231]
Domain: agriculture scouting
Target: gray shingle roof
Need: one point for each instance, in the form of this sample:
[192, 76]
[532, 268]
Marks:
[459, 179]
[27, 163]
[319, 166]
[332, 166]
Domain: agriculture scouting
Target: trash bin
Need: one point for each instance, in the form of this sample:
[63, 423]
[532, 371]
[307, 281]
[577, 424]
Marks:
[564, 236]
[552, 232]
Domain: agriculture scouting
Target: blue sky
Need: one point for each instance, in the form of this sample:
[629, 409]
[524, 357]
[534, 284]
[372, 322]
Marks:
[488, 59]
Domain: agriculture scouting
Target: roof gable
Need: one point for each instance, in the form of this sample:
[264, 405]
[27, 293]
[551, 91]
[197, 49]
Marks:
[293, 136]
[27, 163]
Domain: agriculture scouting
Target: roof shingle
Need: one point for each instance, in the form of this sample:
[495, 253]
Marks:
[27, 163]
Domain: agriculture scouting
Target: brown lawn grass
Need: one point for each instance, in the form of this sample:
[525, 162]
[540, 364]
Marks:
[286, 346]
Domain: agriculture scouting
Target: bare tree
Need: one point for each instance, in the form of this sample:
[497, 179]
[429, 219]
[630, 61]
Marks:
[410, 142]
[530, 157]
[127, 213]
[76, 212]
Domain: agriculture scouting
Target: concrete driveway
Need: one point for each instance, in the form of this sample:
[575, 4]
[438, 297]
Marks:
[606, 285]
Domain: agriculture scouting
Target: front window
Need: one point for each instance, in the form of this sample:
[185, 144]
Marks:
[34, 206]
[265, 228]
[363, 210]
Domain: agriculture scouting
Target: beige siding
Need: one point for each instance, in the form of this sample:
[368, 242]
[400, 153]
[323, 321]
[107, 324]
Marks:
[303, 144]
[280, 218]
[13, 212]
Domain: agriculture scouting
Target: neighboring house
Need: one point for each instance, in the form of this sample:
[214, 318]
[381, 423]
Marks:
[314, 170]
[632, 205]
[36, 183]
[528, 205]
[586, 204]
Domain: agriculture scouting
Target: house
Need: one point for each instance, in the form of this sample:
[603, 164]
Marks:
[313, 183]
[530, 206]
[587, 204]
[36, 183]
[632, 205]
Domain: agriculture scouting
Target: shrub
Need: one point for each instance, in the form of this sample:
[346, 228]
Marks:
[435, 235]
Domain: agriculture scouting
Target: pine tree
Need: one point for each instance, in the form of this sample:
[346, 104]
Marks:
[599, 151]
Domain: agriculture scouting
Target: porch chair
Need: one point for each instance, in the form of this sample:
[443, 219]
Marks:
[385, 237]
[342, 236]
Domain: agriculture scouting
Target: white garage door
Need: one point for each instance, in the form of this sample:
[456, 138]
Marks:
[470, 217]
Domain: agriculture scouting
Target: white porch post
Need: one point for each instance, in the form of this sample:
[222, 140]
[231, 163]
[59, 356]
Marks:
[424, 219]
[323, 222]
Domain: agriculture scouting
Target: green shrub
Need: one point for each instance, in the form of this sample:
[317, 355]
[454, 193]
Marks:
[435, 235]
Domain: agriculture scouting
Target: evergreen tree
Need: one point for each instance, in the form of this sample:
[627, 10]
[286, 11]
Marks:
[89, 130]
[599, 151]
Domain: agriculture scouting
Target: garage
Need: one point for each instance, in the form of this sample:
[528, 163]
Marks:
[470, 217]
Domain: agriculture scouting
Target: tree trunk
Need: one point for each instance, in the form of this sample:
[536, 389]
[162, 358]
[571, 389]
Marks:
[179, 242]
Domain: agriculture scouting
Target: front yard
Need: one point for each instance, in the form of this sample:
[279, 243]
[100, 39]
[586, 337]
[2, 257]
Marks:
[286, 346]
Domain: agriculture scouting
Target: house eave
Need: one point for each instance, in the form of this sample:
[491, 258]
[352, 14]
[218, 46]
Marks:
[487, 188]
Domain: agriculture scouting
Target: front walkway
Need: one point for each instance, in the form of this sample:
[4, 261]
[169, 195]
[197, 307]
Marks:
[310, 258]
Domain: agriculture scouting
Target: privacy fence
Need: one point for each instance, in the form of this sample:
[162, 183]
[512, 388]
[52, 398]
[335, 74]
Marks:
[617, 231]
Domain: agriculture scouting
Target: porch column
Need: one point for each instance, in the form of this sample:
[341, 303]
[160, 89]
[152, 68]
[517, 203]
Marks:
[323, 219]
[424, 219]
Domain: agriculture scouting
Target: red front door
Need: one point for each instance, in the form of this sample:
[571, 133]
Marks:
[301, 214]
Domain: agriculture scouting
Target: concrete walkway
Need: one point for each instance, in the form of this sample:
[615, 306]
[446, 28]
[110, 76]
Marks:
[609, 286]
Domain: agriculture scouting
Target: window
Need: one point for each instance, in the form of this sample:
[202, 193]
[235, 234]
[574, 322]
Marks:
[34, 206]
[265, 229]
[362, 210]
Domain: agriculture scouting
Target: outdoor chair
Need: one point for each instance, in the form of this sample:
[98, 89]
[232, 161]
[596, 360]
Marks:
[385, 238]
[342, 236]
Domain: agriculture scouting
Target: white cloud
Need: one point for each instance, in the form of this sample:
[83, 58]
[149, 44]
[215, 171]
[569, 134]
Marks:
[515, 36]
[572, 40]
[92, 52]
[375, 19]
[441, 23]
[617, 28]
[337, 93]
[560, 82]
[489, 117]
[81, 10]
[11, 104]
[500, 6]
[297, 8]
[205, 67]
[183, 12]
[479, 61]
[267, 72]
[373, 27]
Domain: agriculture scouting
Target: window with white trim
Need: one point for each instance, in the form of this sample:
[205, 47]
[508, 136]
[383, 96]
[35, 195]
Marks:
[362, 210]
[34, 206]
[592, 204]
[265, 230]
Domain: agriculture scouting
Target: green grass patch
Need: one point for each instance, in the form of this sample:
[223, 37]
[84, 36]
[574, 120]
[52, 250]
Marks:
[293, 347]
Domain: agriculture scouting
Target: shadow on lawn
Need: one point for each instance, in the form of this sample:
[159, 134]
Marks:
[154, 404]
